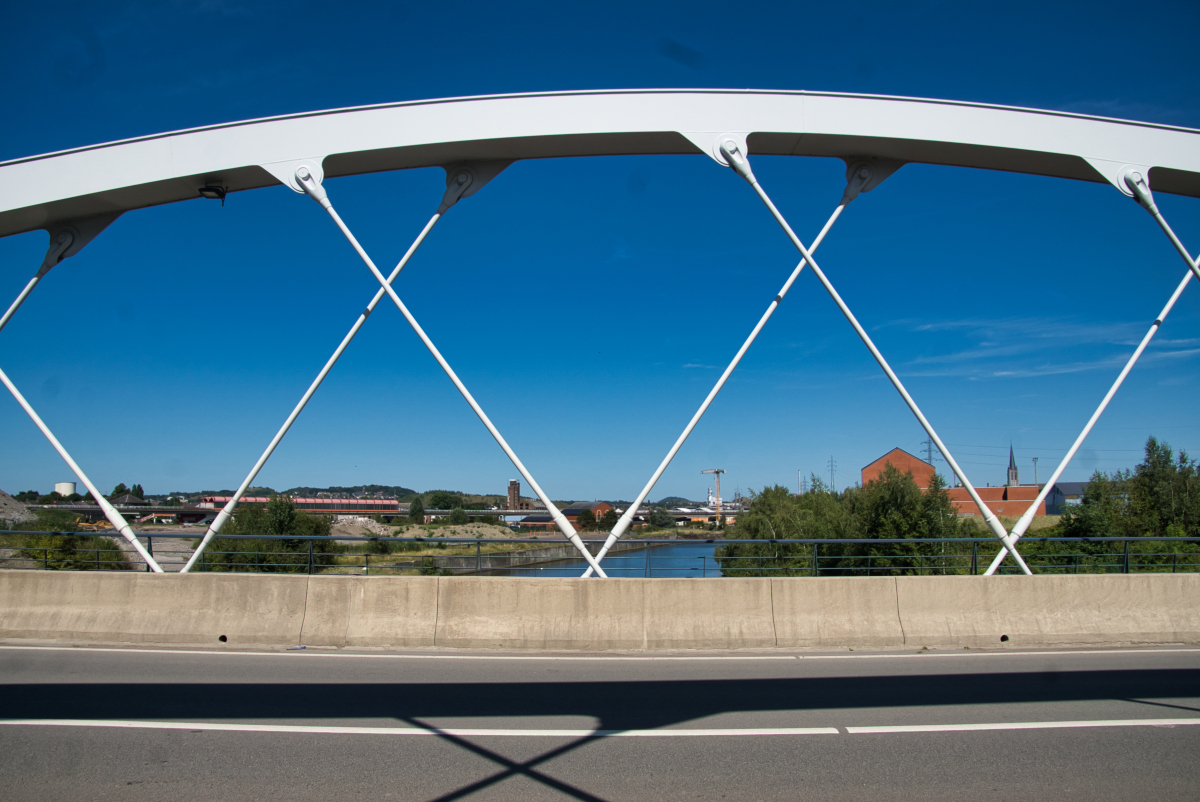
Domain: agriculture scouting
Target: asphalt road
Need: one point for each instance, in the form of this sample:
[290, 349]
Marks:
[157, 724]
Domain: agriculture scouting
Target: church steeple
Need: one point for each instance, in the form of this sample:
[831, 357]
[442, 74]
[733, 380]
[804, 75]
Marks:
[1012, 468]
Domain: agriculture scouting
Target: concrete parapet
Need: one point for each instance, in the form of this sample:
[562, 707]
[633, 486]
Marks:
[598, 615]
[371, 611]
[1094, 609]
[516, 613]
[837, 612]
[129, 607]
[698, 614]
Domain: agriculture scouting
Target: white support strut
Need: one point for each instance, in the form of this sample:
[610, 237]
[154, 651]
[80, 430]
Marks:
[227, 511]
[110, 512]
[741, 165]
[64, 242]
[1138, 187]
[317, 192]
[626, 518]
[461, 182]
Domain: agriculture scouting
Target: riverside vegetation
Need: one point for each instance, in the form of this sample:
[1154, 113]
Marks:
[1160, 497]
[56, 546]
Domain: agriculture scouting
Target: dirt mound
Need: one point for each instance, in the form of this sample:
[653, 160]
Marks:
[463, 530]
[13, 511]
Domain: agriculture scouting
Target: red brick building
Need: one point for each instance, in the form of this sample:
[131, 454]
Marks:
[571, 513]
[902, 461]
[515, 502]
[1010, 500]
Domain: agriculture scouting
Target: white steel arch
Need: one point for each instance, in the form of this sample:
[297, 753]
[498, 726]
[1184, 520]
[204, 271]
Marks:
[74, 194]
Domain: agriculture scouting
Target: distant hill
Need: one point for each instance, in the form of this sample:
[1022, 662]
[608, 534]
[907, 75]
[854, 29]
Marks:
[674, 501]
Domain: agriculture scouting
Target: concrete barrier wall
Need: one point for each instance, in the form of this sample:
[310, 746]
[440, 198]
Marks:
[131, 607]
[617, 614]
[1049, 610]
[837, 612]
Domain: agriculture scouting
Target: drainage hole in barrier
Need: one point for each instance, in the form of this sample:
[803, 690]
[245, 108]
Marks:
[1003, 638]
[224, 639]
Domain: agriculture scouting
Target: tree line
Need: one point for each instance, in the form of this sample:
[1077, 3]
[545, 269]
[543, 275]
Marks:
[1160, 497]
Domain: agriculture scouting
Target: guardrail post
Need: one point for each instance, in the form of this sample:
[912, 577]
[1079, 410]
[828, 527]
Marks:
[1126, 566]
[815, 556]
[46, 559]
[310, 557]
[974, 557]
[149, 550]
[478, 557]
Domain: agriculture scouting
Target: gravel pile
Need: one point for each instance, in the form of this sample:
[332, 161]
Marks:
[13, 511]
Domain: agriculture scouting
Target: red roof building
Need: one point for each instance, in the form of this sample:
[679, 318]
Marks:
[1011, 500]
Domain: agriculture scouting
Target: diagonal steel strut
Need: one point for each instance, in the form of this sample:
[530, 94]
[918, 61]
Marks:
[62, 244]
[1141, 193]
[627, 518]
[738, 161]
[317, 192]
[227, 511]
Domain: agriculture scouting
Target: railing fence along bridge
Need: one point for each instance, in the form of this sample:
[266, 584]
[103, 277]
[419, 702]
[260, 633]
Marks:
[813, 557]
[76, 194]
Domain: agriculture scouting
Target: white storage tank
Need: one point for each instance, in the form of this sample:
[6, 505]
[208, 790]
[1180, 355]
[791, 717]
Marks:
[64, 488]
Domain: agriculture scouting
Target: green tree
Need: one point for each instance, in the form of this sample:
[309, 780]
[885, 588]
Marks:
[278, 517]
[444, 500]
[458, 516]
[661, 519]
[136, 490]
[1164, 493]
[281, 516]
[609, 520]
[586, 521]
[1103, 510]
[27, 497]
[119, 490]
[416, 511]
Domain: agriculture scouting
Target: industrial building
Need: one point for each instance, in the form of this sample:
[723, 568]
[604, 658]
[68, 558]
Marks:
[1010, 500]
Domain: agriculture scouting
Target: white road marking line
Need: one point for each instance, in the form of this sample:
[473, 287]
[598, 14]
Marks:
[1025, 725]
[207, 726]
[459, 732]
[292, 652]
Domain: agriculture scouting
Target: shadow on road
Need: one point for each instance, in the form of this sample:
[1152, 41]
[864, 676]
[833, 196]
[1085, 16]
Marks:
[613, 705]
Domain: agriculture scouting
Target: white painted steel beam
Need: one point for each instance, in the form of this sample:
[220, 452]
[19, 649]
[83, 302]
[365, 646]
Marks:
[37, 191]
[88, 187]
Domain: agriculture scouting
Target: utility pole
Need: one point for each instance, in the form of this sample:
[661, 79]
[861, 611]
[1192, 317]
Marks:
[832, 474]
[800, 481]
[717, 475]
[930, 454]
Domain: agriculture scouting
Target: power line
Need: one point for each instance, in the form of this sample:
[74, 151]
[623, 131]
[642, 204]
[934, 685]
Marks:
[832, 474]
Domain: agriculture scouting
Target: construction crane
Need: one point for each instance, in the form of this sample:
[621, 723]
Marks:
[717, 475]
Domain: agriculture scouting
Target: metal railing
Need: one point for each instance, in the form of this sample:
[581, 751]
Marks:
[548, 556]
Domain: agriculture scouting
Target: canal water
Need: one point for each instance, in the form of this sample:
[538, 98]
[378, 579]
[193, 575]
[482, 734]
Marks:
[678, 559]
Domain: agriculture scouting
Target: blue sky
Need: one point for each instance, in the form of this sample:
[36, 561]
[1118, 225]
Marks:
[590, 304]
